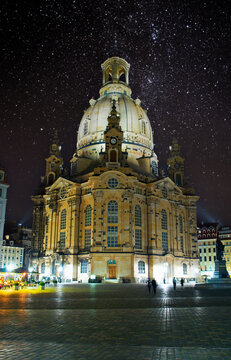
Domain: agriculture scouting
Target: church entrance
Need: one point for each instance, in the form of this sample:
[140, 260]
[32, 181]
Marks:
[112, 271]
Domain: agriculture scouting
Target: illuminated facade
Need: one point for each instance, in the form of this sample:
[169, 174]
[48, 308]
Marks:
[115, 216]
[207, 237]
[3, 200]
[225, 237]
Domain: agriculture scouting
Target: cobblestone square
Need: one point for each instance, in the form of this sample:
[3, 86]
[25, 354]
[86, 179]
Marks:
[115, 321]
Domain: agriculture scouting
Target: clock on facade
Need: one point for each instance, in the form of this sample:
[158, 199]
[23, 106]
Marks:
[113, 140]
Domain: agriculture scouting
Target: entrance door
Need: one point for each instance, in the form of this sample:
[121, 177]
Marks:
[112, 272]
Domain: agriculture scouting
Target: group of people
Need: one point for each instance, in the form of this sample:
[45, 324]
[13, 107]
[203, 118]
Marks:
[153, 284]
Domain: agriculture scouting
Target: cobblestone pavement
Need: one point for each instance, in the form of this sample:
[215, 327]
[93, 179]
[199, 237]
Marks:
[116, 322]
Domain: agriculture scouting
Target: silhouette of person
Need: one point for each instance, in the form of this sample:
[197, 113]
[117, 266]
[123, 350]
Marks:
[154, 285]
[149, 285]
[174, 283]
[182, 282]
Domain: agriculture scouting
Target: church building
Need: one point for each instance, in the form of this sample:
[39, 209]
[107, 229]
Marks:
[115, 216]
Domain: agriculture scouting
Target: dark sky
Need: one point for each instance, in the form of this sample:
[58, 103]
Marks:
[180, 55]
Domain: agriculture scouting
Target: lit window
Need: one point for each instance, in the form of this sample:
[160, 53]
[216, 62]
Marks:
[87, 238]
[138, 239]
[83, 269]
[63, 219]
[88, 211]
[164, 223]
[165, 241]
[112, 209]
[112, 236]
[62, 238]
[141, 267]
[113, 183]
[138, 221]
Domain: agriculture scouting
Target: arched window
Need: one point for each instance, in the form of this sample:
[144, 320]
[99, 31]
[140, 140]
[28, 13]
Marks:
[112, 212]
[85, 128]
[181, 224]
[88, 211]
[63, 219]
[143, 129]
[182, 243]
[141, 267]
[138, 216]
[113, 156]
[122, 77]
[164, 222]
[185, 270]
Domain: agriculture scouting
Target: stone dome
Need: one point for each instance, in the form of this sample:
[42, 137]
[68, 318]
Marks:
[137, 131]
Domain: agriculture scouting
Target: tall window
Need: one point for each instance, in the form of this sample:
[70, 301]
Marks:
[83, 269]
[112, 236]
[182, 243]
[62, 239]
[47, 224]
[165, 241]
[88, 211]
[154, 167]
[85, 129]
[138, 239]
[164, 222]
[141, 267]
[112, 212]
[46, 242]
[43, 268]
[87, 238]
[63, 219]
[138, 217]
[185, 271]
[181, 224]
[143, 128]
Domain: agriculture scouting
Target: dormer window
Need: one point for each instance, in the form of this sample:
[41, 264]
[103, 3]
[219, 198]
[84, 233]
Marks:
[11, 243]
[143, 128]
[85, 128]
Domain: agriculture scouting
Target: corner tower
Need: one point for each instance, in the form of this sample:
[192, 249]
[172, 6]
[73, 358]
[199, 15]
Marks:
[54, 162]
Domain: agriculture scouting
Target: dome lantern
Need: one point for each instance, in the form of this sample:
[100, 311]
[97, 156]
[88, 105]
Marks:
[115, 70]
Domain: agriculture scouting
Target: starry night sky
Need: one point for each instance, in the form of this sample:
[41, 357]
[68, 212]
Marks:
[180, 54]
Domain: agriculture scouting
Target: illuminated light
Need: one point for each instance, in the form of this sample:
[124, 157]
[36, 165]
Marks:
[60, 269]
[24, 274]
[92, 277]
[31, 269]
[10, 267]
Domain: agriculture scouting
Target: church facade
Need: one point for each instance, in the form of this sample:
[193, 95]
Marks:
[114, 216]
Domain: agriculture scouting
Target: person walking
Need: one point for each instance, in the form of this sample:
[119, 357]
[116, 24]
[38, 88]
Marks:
[174, 283]
[182, 282]
[149, 285]
[154, 285]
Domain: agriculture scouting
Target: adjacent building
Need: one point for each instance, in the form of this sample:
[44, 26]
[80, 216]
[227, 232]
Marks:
[115, 215]
[12, 255]
[225, 237]
[207, 236]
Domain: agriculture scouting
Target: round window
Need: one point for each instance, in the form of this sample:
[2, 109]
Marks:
[113, 183]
